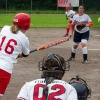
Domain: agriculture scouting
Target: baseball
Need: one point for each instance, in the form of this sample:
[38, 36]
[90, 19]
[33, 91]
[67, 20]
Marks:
[99, 20]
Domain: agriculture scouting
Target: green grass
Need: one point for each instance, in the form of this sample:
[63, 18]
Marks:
[46, 20]
[49, 20]
[95, 20]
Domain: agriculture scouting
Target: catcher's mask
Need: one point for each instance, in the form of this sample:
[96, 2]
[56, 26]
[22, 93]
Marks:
[57, 65]
[83, 90]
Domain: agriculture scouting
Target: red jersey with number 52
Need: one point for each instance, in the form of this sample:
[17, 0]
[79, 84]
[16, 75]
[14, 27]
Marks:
[11, 45]
[57, 90]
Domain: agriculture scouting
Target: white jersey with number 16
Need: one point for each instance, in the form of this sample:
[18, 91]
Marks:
[11, 45]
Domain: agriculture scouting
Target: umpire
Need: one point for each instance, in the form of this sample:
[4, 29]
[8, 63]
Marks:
[82, 23]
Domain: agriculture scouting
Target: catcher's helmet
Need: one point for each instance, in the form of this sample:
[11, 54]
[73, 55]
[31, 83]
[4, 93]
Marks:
[22, 20]
[83, 90]
[52, 63]
[67, 8]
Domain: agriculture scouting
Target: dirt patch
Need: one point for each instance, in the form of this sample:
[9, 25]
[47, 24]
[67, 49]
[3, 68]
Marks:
[27, 68]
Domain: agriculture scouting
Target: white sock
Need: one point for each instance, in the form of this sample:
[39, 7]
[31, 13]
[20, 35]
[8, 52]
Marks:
[85, 50]
[73, 50]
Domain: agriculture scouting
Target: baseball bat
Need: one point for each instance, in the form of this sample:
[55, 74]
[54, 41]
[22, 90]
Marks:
[50, 44]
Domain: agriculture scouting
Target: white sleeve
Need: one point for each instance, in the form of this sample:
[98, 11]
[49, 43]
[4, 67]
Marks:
[66, 13]
[3, 30]
[88, 19]
[73, 94]
[74, 20]
[73, 12]
[23, 94]
[25, 48]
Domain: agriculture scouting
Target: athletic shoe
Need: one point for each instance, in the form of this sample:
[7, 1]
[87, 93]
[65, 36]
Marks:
[85, 62]
[71, 58]
[65, 35]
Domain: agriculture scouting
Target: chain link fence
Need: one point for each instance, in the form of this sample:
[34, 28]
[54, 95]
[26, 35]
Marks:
[38, 6]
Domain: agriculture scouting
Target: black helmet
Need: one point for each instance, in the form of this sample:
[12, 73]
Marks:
[83, 90]
[52, 63]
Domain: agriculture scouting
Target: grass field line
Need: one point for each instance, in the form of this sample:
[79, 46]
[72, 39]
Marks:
[97, 35]
[95, 59]
[93, 49]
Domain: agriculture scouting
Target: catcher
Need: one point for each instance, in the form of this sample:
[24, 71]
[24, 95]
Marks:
[50, 86]
[82, 23]
[83, 90]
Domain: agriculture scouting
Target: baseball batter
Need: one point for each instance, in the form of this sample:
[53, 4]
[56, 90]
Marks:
[13, 44]
[69, 14]
[50, 87]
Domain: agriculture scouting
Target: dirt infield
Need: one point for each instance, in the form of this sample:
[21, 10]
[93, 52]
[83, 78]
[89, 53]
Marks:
[27, 68]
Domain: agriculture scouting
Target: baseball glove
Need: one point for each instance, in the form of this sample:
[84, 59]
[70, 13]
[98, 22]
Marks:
[80, 27]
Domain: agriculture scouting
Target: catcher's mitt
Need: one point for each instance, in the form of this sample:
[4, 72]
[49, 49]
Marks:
[80, 27]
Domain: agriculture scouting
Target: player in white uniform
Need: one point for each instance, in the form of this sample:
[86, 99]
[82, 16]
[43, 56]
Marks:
[13, 44]
[50, 87]
[69, 14]
[82, 35]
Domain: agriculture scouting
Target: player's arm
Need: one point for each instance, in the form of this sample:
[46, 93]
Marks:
[90, 23]
[66, 17]
[75, 13]
[73, 94]
[23, 95]
[22, 55]
[25, 49]
[71, 29]
[21, 99]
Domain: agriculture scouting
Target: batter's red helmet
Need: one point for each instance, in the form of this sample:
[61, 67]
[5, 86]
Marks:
[22, 20]
[67, 7]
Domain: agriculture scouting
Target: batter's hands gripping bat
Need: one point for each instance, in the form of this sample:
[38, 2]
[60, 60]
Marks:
[50, 44]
